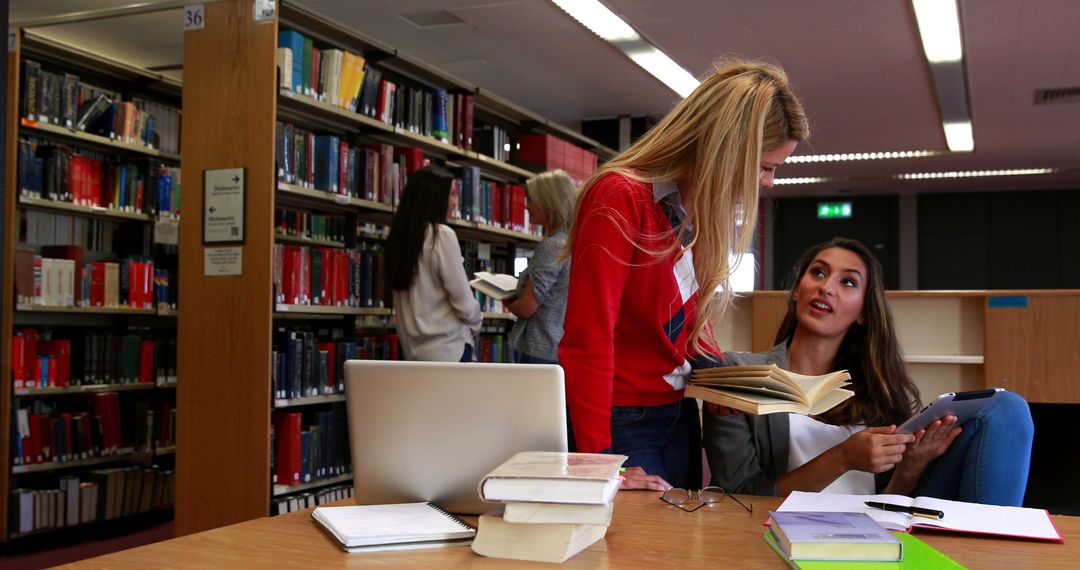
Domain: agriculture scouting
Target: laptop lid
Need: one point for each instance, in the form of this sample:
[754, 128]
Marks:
[429, 431]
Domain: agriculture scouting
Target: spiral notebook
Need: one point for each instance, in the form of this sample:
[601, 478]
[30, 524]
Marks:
[369, 528]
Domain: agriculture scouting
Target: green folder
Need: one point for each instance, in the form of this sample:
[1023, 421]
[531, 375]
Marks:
[917, 554]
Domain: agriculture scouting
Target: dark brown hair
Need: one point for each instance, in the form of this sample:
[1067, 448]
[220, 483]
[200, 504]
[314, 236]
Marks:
[884, 393]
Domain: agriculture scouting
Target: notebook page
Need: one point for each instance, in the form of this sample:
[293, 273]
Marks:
[376, 524]
[989, 519]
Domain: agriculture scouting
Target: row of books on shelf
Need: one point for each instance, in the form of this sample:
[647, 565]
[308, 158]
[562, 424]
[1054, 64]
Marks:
[105, 494]
[66, 100]
[309, 499]
[307, 363]
[86, 178]
[330, 277]
[541, 151]
[42, 358]
[45, 228]
[48, 432]
[501, 205]
[305, 224]
[67, 281]
[345, 80]
[309, 446]
[374, 172]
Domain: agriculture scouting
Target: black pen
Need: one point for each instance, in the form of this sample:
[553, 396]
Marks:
[916, 511]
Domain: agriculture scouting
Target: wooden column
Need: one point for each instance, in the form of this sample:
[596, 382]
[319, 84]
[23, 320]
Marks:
[224, 346]
[7, 290]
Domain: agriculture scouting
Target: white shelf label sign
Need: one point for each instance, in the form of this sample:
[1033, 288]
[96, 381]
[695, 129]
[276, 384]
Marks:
[193, 17]
[223, 206]
[264, 10]
[221, 261]
[167, 231]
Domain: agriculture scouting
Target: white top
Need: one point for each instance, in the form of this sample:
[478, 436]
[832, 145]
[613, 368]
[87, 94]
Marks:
[438, 315]
[810, 438]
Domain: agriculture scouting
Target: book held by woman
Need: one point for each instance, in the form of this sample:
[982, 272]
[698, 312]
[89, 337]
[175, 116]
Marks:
[768, 389]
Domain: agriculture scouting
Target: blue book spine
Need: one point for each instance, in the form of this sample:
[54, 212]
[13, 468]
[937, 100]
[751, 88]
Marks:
[334, 166]
[305, 456]
[438, 118]
[322, 162]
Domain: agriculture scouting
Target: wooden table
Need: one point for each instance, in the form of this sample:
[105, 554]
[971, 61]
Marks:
[645, 533]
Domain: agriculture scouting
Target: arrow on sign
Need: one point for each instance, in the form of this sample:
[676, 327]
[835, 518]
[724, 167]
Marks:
[213, 209]
[235, 179]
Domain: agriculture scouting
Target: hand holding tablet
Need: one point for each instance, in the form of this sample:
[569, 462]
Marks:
[963, 405]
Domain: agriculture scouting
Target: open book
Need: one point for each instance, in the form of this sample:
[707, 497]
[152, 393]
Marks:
[498, 286]
[767, 389]
[959, 516]
[367, 528]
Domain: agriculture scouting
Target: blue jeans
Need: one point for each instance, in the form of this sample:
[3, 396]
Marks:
[467, 354]
[660, 440]
[988, 463]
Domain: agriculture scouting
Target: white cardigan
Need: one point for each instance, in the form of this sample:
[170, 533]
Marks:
[438, 315]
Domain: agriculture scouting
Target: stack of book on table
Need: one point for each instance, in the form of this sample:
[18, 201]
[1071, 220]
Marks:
[556, 505]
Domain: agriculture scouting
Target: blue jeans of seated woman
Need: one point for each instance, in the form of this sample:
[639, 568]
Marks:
[659, 439]
[467, 354]
[988, 463]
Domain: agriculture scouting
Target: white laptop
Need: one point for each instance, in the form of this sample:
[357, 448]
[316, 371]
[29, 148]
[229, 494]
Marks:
[429, 431]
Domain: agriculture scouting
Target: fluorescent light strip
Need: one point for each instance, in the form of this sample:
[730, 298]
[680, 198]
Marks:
[599, 19]
[939, 27]
[603, 22]
[973, 173]
[804, 180]
[958, 136]
[662, 67]
[855, 156]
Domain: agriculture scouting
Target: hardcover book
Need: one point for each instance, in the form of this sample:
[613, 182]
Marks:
[768, 389]
[498, 538]
[825, 535]
[495, 285]
[554, 477]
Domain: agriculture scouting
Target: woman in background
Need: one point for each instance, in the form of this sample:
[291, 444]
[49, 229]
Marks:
[838, 318]
[653, 226]
[540, 304]
[436, 314]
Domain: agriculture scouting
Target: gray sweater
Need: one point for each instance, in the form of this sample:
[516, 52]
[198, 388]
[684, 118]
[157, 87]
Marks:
[747, 454]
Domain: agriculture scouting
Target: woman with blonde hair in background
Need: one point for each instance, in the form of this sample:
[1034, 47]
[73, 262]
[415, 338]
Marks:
[541, 296]
[654, 226]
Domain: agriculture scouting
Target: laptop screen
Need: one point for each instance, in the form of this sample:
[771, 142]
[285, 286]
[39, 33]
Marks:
[429, 431]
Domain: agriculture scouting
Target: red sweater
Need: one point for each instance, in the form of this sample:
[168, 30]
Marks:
[624, 341]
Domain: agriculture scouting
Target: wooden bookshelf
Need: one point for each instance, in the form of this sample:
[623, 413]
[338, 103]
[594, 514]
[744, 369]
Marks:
[54, 466]
[231, 106]
[99, 71]
[87, 389]
[90, 211]
[38, 127]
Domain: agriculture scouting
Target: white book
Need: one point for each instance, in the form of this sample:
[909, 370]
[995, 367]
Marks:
[958, 516]
[284, 65]
[495, 285]
[558, 513]
[554, 477]
[366, 528]
[498, 538]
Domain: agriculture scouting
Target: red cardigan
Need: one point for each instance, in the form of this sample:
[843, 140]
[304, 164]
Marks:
[627, 319]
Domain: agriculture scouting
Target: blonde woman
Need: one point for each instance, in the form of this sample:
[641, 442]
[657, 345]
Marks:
[541, 301]
[654, 226]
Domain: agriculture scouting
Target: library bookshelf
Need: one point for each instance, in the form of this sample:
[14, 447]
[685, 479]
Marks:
[75, 220]
[237, 110]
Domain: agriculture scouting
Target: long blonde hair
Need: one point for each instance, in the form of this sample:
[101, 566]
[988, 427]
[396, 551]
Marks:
[713, 141]
[554, 192]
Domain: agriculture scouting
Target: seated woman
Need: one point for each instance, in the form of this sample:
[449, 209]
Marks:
[838, 318]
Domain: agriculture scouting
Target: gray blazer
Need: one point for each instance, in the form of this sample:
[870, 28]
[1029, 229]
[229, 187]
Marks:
[747, 454]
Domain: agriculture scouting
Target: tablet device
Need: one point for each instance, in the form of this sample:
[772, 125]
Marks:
[963, 405]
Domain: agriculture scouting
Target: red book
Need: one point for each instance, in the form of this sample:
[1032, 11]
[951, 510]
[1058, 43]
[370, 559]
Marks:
[66, 422]
[30, 352]
[139, 194]
[341, 290]
[287, 427]
[18, 360]
[146, 362]
[414, 158]
[343, 168]
[316, 67]
[290, 274]
[97, 284]
[107, 408]
[326, 288]
[309, 143]
[468, 126]
[36, 432]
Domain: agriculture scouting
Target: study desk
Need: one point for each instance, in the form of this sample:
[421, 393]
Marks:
[645, 533]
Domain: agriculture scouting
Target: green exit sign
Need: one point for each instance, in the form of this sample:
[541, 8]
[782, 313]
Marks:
[833, 210]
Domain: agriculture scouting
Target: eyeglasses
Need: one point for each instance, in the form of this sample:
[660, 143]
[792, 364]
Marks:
[707, 496]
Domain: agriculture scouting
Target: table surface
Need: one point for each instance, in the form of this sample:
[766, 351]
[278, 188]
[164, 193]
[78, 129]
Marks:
[645, 533]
